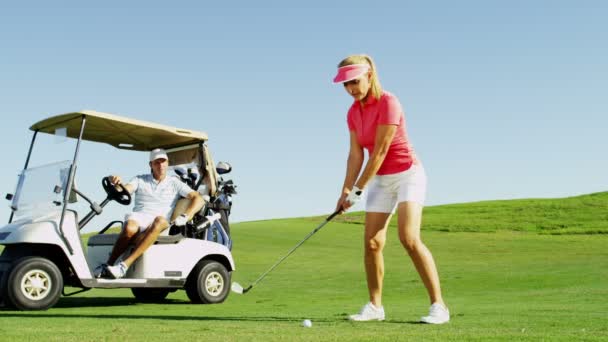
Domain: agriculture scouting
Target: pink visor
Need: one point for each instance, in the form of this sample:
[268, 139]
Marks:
[350, 72]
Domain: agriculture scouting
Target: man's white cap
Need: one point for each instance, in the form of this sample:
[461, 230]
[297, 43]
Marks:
[158, 153]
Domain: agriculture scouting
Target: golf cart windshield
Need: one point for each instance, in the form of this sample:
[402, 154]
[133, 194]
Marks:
[40, 190]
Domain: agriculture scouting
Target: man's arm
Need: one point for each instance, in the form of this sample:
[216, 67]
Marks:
[117, 180]
[196, 203]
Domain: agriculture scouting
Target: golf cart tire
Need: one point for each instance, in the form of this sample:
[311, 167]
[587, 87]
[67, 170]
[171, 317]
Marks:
[18, 291]
[150, 295]
[209, 283]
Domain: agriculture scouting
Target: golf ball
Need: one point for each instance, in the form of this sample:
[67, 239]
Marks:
[307, 323]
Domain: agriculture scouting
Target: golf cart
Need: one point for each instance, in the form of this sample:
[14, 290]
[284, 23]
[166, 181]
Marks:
[43, 250]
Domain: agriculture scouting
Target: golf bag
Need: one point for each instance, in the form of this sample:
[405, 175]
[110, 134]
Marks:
[212, 221]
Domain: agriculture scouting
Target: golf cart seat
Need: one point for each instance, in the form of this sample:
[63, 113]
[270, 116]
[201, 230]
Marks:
[110, 240]
[164, 237]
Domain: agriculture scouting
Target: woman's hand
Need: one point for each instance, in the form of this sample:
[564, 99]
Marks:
[342, 204]
[348, 199]
[354, 196]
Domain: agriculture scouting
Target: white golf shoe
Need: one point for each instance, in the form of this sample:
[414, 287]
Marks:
[438, 314]
[117, 271]
[368, 313]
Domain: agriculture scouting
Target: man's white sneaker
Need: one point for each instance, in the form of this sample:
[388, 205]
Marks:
[369, 313]
[118, 271]
[438, 314]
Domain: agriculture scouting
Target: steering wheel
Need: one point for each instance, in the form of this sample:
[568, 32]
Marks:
[116, 192]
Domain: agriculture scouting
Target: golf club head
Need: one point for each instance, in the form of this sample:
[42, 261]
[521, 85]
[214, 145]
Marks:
[237, 288]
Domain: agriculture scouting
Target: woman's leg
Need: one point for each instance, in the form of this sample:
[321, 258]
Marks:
[375, 239]
[410, 218]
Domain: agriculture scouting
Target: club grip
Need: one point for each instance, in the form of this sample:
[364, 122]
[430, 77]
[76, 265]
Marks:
[330, 217]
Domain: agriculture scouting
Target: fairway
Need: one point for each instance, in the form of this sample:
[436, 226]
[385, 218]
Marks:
[501, 285]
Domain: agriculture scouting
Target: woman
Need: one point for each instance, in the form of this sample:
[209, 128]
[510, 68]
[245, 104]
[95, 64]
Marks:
[396, 179]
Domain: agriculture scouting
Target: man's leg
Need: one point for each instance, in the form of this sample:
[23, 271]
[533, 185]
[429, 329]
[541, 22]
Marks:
[144, 240]
[130, 231]
[149, 237]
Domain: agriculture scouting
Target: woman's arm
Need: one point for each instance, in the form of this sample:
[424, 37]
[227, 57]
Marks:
[353, 167]
[384, 137]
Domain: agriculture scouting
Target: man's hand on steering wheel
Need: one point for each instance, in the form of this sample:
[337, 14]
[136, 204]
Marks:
[115, 190]
[115, 180]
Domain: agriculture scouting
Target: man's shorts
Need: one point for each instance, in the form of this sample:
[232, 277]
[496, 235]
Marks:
[144, 220]
[386, 191]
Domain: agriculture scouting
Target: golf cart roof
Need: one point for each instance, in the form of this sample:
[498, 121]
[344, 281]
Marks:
[120, 132]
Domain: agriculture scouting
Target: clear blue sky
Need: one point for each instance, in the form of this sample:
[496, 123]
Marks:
[502, 99]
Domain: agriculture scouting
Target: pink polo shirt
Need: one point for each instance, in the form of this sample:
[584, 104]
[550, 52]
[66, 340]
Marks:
[386, 111]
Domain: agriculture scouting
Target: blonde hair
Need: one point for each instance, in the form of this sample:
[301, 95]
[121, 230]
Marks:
[375, 86]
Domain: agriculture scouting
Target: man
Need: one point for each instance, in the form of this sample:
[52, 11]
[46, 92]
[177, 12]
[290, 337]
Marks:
[155, 196]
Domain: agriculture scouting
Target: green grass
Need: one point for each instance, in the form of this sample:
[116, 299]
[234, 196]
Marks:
[506, 285]
[586, 214]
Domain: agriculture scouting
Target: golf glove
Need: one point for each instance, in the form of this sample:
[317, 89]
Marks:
[181, 220]
[354, 196]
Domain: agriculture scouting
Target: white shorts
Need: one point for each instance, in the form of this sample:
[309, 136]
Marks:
[144, 220]
[386, 191]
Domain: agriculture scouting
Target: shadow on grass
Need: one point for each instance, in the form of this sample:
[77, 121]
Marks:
[26, 314]
[92, 302]
[161, 317]
[83, 302]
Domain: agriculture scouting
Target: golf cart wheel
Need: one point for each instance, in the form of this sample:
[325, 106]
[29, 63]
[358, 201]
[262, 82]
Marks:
[145, 294]
[34, 283]
[209, 283]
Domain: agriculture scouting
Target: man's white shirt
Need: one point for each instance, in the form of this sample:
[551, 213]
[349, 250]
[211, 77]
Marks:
[157, 198]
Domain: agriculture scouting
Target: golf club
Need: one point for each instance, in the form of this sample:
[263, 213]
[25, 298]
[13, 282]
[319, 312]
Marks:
[237, 288]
